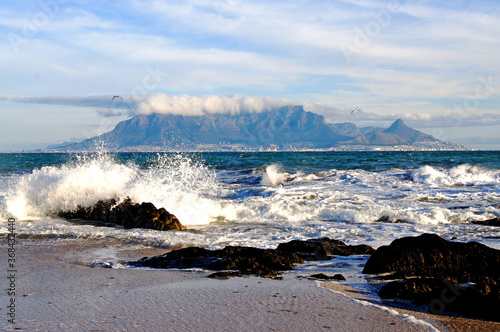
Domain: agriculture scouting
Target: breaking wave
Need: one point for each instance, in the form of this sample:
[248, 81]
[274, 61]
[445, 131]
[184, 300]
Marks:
[174, 182]
[462, 175]
[274, 176]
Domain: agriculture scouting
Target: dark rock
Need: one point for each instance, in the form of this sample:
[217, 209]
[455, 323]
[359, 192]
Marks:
[452, 276]
[429, 255]
[480, 300]
[459, 207]
[320, 249]
[388, 219]
[489, 222]
[253, 261]
[180, 259]
[322, 276]
[418, 289]
[262, 262]
[127, 214]
[225, 275]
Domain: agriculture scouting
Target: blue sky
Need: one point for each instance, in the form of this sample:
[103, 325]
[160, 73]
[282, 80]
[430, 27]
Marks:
[432, 63]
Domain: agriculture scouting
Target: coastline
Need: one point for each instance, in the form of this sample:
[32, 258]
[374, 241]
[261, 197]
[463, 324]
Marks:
[442, 322]
[59, 288]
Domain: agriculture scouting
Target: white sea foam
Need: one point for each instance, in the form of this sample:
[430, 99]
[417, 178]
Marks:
[418, 197]
[176, 183]
[274, 176]
[462, 175]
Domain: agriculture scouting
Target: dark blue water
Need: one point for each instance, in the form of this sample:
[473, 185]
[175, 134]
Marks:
[307, 162]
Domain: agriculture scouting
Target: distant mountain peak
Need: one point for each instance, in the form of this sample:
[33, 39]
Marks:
[396, 124]
[400, 129]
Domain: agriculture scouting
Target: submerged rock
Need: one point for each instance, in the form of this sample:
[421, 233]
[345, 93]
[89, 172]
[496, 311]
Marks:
[128, 214]
[223, 275]
[446, 276]
[489, 222]
[322, 276]
[321, 249]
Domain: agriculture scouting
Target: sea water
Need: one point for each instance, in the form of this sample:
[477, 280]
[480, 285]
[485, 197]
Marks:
[260, 199]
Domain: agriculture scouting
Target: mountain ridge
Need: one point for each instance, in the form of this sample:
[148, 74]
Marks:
[285, 128]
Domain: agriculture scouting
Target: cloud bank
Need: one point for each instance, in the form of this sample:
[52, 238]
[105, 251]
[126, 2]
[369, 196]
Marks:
[199, 105]
[189, 105]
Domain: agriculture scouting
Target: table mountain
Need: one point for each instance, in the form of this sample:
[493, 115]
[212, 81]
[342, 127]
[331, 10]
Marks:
[289, 127]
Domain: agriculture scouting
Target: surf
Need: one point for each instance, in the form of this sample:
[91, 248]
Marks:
[182, 186]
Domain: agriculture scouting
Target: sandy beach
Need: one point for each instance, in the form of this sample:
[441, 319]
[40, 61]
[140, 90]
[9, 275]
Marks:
[60, 288]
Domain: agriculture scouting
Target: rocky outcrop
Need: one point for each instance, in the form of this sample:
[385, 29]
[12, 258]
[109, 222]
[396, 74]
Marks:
[429, 255]
[236, 261]
[445, 275]
[480, 299]
[128, 214]
[322, 249]
[248, 261]
[489, 222]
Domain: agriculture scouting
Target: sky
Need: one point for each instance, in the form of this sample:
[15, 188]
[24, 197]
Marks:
[433, 64]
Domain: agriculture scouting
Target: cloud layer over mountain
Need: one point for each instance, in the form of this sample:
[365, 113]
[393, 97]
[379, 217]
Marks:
[207, 104]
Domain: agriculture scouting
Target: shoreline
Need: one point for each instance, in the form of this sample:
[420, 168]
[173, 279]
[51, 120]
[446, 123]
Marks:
[376, 148]
[61, 287]
[446, 322]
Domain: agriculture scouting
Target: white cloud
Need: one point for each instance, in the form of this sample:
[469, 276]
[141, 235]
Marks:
[207, 104]
[197, 105]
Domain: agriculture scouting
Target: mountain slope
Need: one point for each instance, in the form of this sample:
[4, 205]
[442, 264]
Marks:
[349, 129]
[377, 138]
[400, 129]
[397, 134]
[288, 127]
[285, 126]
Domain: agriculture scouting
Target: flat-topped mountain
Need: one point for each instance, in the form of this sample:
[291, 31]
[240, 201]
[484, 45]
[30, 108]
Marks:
[285, 128]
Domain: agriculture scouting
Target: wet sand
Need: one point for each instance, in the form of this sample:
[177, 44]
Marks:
[59, 289]
[444, 322]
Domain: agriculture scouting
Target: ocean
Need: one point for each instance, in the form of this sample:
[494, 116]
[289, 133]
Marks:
[260, 199]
